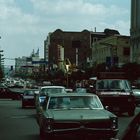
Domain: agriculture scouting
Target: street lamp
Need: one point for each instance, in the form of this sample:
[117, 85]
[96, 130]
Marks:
[1, 63]
[67, 70]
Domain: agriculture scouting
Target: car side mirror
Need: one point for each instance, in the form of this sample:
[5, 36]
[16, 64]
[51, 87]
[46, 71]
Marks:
[107, 107]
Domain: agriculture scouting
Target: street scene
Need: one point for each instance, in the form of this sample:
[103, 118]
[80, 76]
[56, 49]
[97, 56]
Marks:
[17, 123]
[69, 70]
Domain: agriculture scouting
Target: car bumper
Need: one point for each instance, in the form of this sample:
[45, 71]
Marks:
[96, 133]
[118, 104]
[28, 102]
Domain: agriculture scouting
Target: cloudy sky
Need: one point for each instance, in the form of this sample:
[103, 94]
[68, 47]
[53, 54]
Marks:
[25, 24]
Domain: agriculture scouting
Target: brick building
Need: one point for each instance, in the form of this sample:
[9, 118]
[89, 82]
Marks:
[76, 47]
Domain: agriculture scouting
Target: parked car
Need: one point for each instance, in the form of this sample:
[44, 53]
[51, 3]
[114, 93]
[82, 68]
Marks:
[28, 98]
[77, 116]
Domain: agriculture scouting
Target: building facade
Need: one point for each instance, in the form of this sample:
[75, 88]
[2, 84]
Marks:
[135, 31]
[113, 50]
[76, 47]
[28, 65]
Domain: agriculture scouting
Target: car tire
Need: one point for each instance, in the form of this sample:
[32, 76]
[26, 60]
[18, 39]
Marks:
[42, 135]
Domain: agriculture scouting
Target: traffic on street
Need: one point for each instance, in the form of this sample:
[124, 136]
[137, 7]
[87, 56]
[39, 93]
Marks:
[106, 110]
[79, 83]
[18, 123]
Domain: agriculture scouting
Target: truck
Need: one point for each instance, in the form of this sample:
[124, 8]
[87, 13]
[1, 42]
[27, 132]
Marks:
[114, 91]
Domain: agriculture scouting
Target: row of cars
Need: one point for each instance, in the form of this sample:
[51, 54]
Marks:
[70, 114]
[75, 115]
[59, 113]
[9, 93]
[66, 115]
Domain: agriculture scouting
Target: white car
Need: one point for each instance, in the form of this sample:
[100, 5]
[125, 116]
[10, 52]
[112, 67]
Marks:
[45, 90]
[50, 89]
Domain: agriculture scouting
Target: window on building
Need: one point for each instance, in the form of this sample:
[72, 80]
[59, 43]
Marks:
[76, 43]
[126, 51]
[95, 39]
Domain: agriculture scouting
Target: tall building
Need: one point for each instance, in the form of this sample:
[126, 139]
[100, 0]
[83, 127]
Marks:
[27, 65]
[76, 47]
[135, 31]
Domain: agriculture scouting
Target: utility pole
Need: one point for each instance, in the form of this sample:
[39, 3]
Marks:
[1, 64]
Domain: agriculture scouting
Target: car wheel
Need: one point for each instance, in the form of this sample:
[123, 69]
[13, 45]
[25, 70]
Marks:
[42, 135]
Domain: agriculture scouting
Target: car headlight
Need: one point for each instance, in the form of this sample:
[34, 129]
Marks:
[114, 122]
[48, 124]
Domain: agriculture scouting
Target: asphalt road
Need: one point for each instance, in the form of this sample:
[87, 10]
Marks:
[17, 123]
[20, 124]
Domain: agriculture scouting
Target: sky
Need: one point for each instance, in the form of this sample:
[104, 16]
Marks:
[25, 24]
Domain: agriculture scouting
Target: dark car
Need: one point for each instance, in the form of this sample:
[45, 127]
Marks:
[136, 93]
[28, 98]
[77, 116]
[116, 94]
[133, 129]
[6, 93]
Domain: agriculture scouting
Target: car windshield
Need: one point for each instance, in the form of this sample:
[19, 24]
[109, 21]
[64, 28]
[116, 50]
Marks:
[75, 102]
[81, 90]
[29, 92]
[45, 91]
[112, 84]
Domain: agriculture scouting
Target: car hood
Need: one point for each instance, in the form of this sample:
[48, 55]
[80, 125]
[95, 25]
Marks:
[79, 114]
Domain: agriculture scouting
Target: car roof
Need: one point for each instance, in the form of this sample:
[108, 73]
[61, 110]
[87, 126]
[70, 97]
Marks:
[70, 94]
[52, 87]
[31, 89]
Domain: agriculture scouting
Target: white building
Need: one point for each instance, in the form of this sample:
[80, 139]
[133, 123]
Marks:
[26, 65]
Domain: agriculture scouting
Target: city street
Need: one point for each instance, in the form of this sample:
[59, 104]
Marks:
[87, 46]
[17, 123]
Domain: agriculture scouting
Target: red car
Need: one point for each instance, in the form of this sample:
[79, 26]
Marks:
[28, 98]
